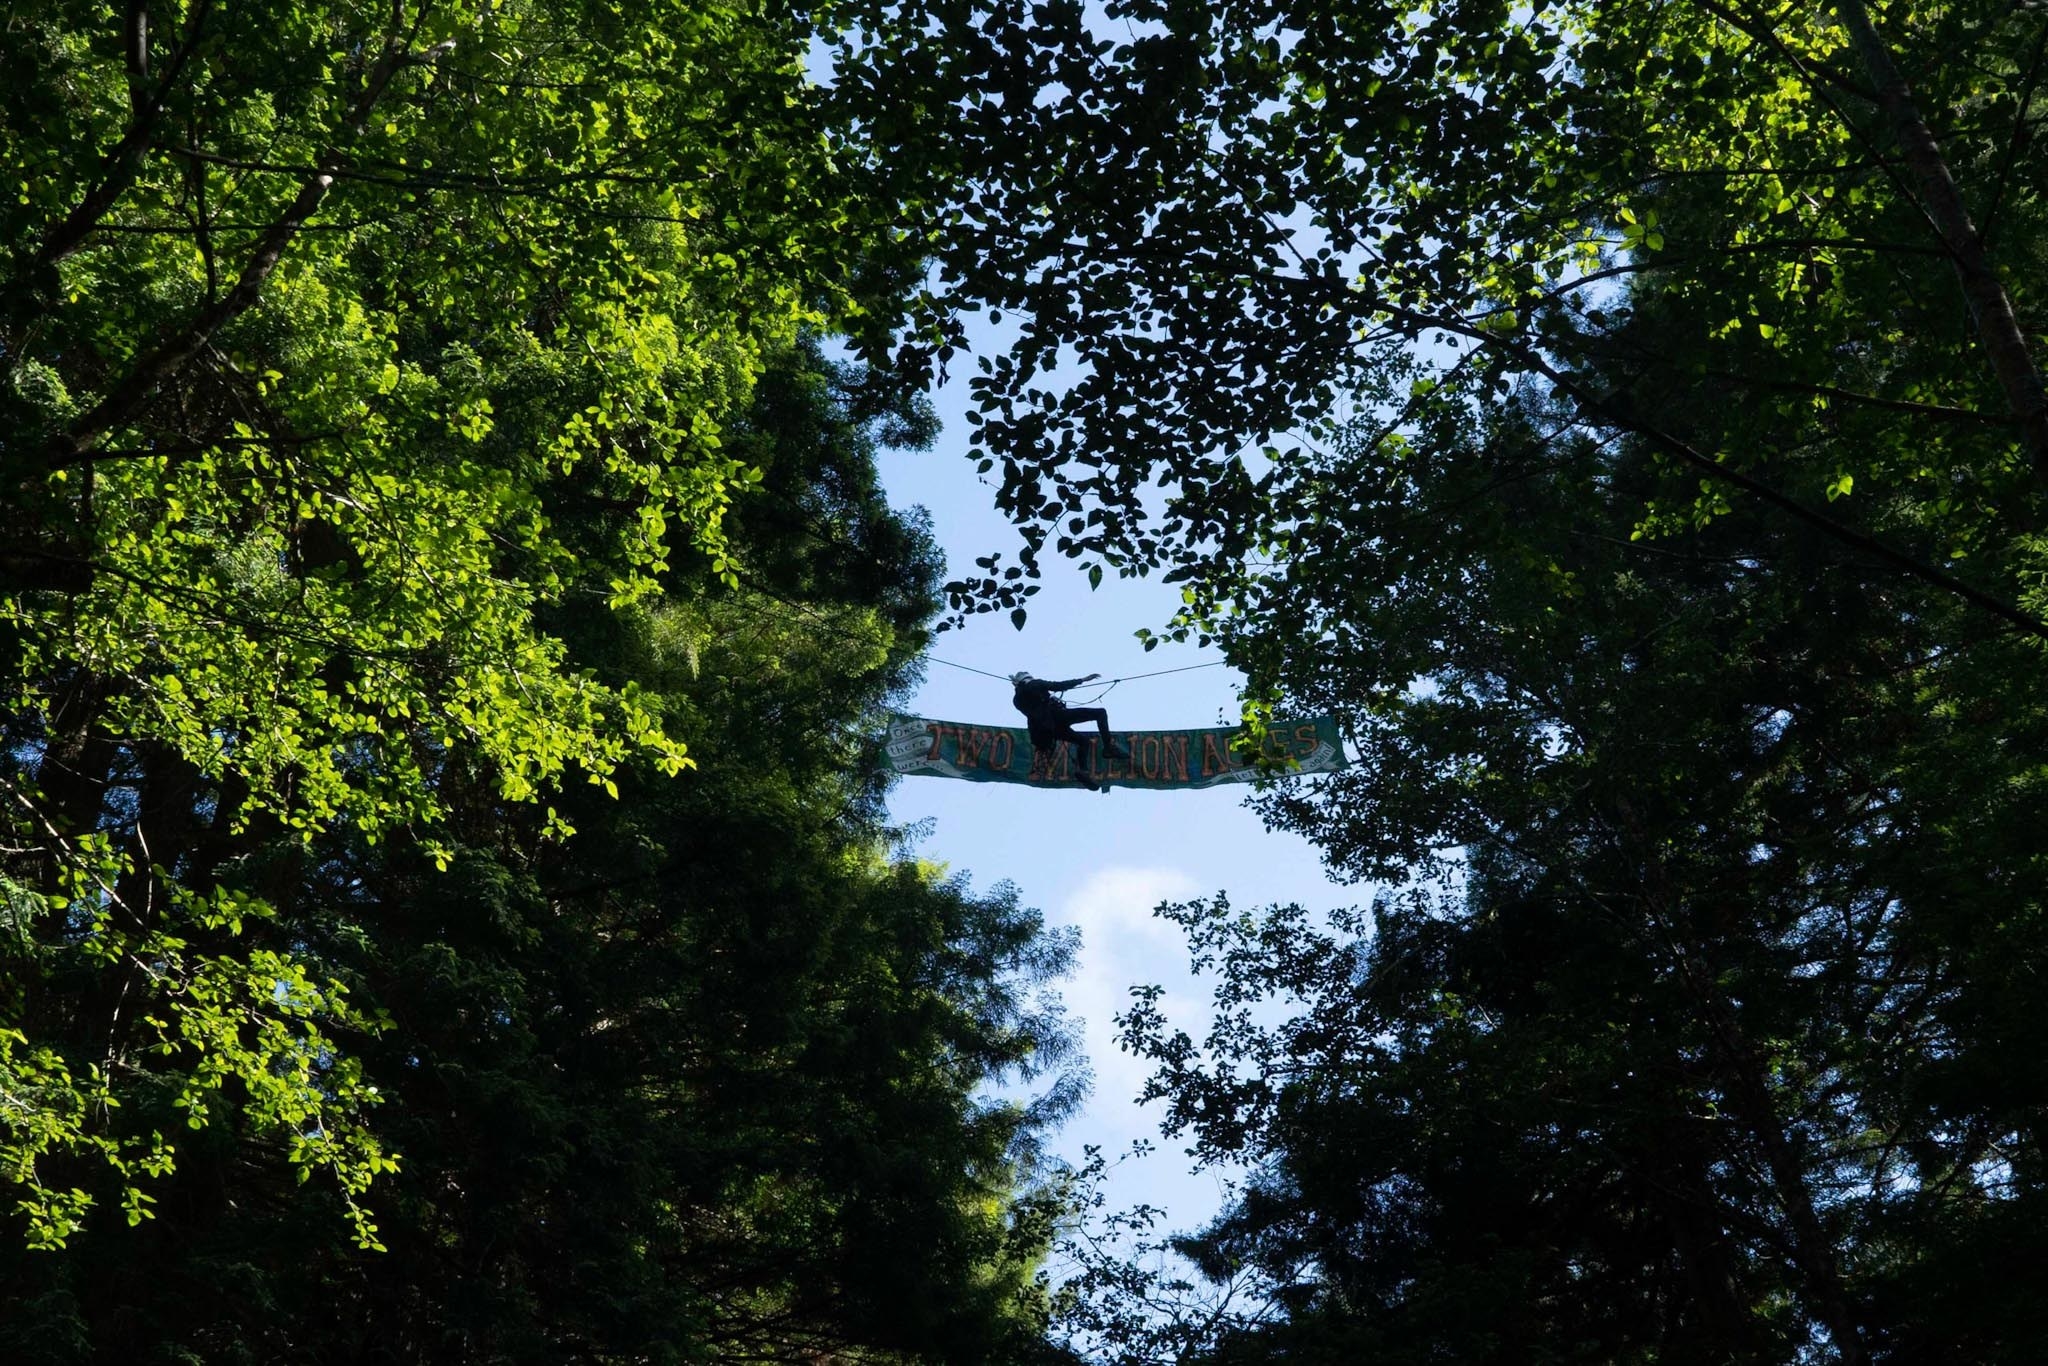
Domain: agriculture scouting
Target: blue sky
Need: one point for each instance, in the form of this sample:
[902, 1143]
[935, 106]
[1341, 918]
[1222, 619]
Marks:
[1099, 861]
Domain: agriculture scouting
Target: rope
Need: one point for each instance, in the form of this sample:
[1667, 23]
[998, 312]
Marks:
[968, 667]
[1109, 683]
[1161, 673]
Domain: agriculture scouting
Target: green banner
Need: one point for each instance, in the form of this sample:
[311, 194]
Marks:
[1157, 758]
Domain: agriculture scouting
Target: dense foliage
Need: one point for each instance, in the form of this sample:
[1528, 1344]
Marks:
[443, 598]
[342, 340]
[1212, 219]
[699, 1083]
[1628, 416]
[1697, 1032]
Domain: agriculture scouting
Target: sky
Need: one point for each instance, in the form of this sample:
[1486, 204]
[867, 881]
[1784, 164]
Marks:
[1099, 861]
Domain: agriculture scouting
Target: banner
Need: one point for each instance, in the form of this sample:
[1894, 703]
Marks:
[1158, 758]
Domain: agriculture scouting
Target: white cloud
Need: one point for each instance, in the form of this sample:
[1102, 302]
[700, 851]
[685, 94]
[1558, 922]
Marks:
[1123, 944]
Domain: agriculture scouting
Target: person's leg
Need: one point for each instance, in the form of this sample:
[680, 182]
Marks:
[1084, 752]
[1045, 747]
[1101, 719]
[1073, 715]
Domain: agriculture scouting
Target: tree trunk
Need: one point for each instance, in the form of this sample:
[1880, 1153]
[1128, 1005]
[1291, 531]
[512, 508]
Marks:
[1750, 1091]
[2006, 345]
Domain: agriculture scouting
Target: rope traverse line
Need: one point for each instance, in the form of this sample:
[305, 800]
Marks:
[1112, 682]
[968, 667]
[1161, 673]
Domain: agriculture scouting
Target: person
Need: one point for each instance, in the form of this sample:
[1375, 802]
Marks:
[1051, 721]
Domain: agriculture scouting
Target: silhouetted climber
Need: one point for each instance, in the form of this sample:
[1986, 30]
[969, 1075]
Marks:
[1051, 721]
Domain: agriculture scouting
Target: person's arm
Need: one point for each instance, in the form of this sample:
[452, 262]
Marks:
[1072, 683]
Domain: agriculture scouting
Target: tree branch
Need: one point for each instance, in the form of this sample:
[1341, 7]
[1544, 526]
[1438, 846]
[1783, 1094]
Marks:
[127, 398]
[120, 165]
[1760, 31]
[1941, 411]
[1623, 417]
[2016, 141]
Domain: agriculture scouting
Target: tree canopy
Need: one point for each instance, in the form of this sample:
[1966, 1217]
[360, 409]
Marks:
[1629, 418]
[1212, 219]
[445, 599]
[342, 342]
[446, 603]
[704, 1082]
